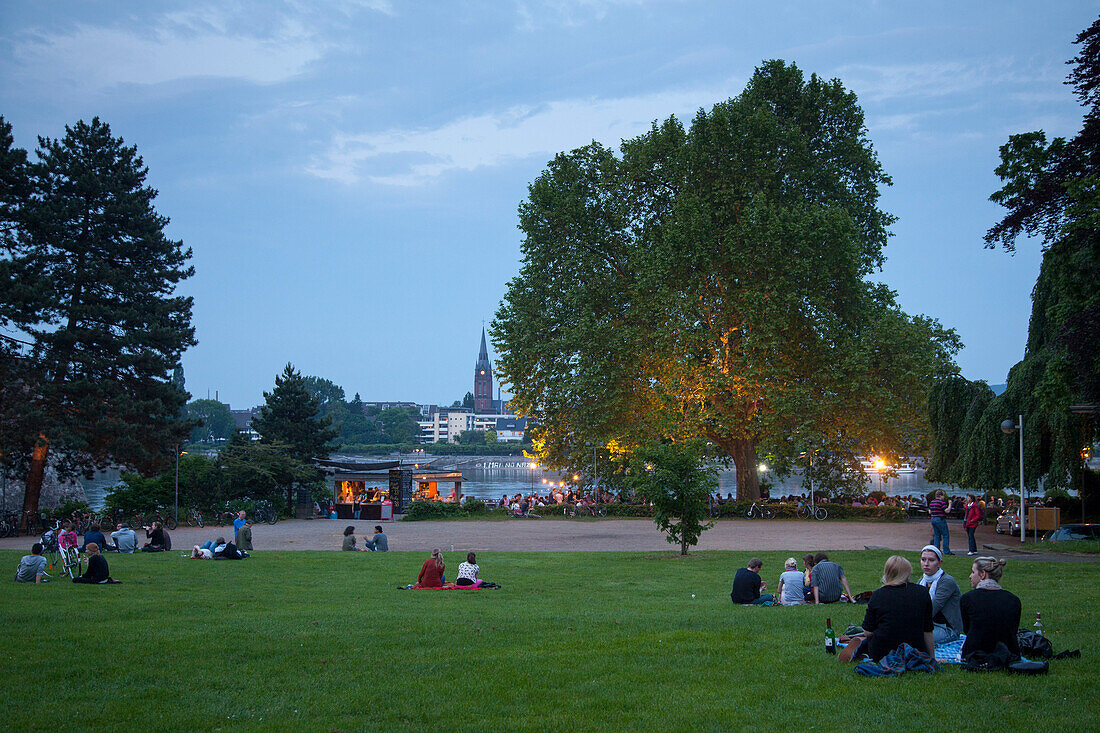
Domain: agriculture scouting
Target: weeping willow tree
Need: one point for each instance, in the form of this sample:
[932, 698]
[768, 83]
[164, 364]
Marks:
[1052, 193]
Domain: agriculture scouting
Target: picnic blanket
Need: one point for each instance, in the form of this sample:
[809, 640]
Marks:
[903, 659]
[949, 653]
[450, 586]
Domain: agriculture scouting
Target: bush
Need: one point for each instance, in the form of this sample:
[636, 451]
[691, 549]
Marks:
[836, 511]
[419, 510]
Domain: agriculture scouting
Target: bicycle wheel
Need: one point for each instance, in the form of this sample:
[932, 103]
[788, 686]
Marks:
[803, 512]
[751, 512]
[198, 518]
[272, 516]
[170, 523]
[601, 512]
[767, 512]
[68, 562]
[820, 513]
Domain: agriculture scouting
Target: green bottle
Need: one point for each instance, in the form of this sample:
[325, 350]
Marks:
[830, 637]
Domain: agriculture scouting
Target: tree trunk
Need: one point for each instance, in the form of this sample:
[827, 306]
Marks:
[743, 453]
[33, 484]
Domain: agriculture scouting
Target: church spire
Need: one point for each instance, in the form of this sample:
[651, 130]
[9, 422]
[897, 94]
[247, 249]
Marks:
[483, 379]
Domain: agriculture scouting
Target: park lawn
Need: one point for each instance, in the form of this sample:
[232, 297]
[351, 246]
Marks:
[574, 641]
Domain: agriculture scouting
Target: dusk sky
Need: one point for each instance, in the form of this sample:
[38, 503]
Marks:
[348, 172]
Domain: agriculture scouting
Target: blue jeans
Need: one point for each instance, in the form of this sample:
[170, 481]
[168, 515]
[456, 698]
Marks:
[970, 538]
[940, 533]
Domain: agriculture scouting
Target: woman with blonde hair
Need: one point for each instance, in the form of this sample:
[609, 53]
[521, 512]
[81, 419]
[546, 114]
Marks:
[990, 614]
[899, 612]
[431, 572]
[789, 592]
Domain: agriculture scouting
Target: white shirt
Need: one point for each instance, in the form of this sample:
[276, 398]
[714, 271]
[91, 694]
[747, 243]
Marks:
[468, 571]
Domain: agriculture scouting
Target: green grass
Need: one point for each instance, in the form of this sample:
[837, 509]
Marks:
[574, 641]
[1085, 547]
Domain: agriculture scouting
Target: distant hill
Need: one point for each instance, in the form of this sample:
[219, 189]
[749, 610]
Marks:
[998, 388]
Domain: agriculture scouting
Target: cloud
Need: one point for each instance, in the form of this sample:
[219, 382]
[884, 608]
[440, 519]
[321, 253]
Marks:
[936, 79]
[408, 157]
[192, 44]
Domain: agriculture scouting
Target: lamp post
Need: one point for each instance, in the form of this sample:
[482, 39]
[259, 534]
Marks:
[1007, 427]
[176, 508]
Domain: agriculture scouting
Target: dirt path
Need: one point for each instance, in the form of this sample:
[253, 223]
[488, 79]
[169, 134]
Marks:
[535, 535]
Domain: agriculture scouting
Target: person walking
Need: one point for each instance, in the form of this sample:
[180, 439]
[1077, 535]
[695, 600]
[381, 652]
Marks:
[937, 508]
[971, 520]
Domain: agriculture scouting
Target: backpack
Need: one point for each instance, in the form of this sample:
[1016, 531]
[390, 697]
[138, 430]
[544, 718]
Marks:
[1034, 645]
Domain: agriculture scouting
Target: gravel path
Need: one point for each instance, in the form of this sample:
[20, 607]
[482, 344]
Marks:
[543, 535]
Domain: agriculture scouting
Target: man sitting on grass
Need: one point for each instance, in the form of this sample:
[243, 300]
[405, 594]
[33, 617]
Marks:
[32, 568]
[827, 578]
[747, 585]
[97, 572]
[378, 543]
[125, 539]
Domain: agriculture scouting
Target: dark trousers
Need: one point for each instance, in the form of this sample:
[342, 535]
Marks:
[970, 538]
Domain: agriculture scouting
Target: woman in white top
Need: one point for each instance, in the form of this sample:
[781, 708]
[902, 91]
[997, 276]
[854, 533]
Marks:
[467, 574]
[790, 591]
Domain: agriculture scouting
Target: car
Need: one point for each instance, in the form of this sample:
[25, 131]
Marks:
[1068, 532]
[1009, 522]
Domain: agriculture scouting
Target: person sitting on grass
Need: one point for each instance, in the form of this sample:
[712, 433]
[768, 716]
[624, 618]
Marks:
[155, 535]
[32, 568]
[898, 613]
[95, 534]
[990, 614]
[467, 574]
[431, 572]
[125, 539]
[349, 539]
[97, 571]
[228, 551]
[807, 584]
[827, 578]
[945, 595]
[790, 591]
[378, 543]
[747, 585]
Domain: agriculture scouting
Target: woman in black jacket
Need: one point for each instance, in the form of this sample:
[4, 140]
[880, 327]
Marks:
[989, 612]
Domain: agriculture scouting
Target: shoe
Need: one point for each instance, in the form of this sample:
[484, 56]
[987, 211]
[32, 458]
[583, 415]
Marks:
[971, 553]
[949, 553]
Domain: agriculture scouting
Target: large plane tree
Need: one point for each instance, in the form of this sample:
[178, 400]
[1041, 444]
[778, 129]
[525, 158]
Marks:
[712, 281]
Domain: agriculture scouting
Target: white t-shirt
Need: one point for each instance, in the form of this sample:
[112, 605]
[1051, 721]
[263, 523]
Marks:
[468, 571]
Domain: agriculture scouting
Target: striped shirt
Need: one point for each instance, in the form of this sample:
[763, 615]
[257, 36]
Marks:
[938, 508]
[826, 577]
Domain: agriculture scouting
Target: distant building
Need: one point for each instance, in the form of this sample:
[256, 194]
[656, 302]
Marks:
[243, 420]
[446, 424]
[483, 380]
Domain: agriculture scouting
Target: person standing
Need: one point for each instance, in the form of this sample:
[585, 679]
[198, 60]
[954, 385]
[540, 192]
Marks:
[244, 536]
[937, 508]
[971, 520]
[237, 524]
[747, 585]
[945, 595]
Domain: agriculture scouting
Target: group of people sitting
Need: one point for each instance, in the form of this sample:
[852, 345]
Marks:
[432, 574]
[821, 581]
[933, 611]
[32, 567]
[378, 543]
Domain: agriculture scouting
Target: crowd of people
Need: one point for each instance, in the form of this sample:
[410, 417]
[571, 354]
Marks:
[930, 612]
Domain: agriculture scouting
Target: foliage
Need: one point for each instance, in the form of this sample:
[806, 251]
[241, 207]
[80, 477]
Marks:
[1050, 191]
[291, 418]
[264, 470]
[217, 423]
[471, 437]
[88, 275]
[468, 400]
[200, 485]
[419, 510]
[712, 282]
[587, 611]
[676, 478]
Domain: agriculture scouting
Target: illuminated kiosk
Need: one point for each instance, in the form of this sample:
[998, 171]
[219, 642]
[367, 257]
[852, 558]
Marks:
[365, 486]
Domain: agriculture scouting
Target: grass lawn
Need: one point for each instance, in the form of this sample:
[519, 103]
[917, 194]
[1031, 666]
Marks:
[323, 641]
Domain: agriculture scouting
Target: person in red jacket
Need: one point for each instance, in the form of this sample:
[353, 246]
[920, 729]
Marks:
[971, 520]
[431, 573]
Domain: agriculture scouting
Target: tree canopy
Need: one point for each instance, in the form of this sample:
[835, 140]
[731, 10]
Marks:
[712, 282]
[87, 282]
[1051, 192]
[216, 422]
[291, 417]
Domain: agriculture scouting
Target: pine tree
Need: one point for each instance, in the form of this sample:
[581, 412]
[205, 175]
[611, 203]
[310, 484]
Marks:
[106, 325]
[291, 416]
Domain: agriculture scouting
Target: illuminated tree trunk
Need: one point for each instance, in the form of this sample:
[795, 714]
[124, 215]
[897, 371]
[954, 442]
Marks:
[743, 453]
[33, 484]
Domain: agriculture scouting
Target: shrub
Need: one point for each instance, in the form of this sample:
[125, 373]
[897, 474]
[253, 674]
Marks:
[419, 510]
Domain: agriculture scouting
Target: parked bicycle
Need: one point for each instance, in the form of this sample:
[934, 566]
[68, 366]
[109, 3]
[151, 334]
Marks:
[194, 517]
[760, 510]
[585, 510]
[809, 511]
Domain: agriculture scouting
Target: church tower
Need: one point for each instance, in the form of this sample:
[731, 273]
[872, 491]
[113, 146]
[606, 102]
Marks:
[483, 380]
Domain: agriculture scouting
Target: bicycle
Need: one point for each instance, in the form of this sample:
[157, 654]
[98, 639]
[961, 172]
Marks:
[194, 517]
[586, 510]
[71, 562]
[807, 511]
[759, 510]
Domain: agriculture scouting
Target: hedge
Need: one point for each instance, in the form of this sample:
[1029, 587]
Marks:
[418, 510]
[836, 511]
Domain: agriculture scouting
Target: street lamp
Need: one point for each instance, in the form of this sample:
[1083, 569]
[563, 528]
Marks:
[880, 466]
[1007, 427]
[177, 506]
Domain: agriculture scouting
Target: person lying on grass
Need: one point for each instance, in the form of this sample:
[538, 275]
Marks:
[467, 574]
[899, 612]
[97, 571]
[202, 553]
